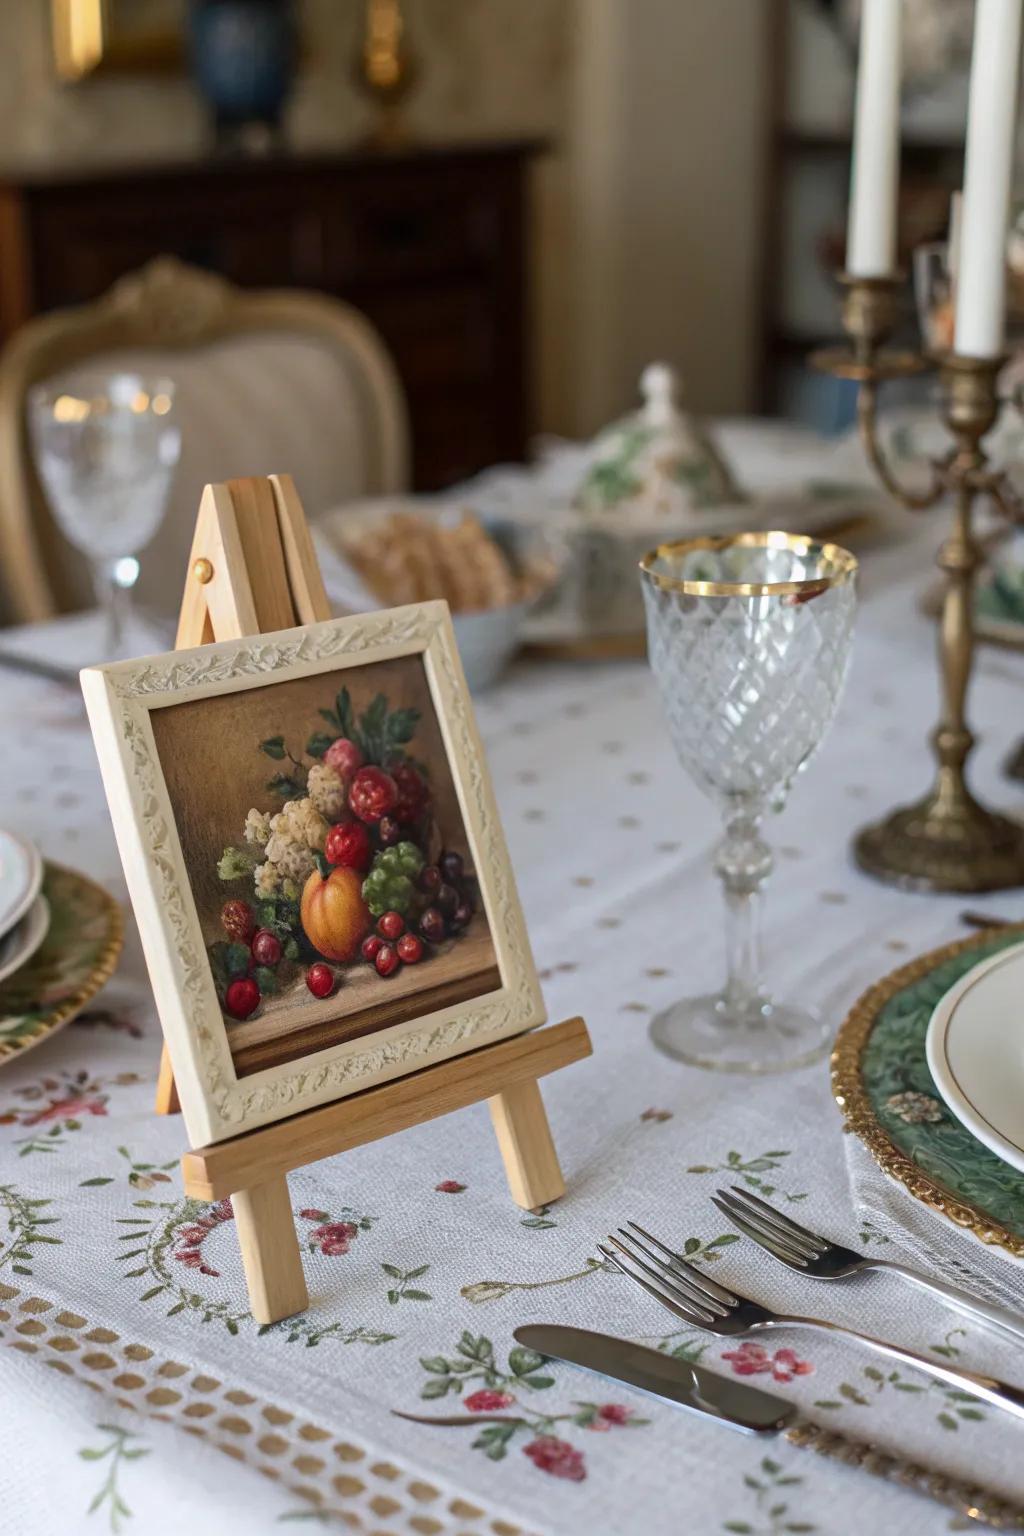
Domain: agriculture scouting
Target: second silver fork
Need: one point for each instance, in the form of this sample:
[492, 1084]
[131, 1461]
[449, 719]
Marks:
[809, 1254]
[701, 1302]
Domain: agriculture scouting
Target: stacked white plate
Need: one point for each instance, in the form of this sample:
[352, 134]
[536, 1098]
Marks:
[24, 913]
[976, 1053]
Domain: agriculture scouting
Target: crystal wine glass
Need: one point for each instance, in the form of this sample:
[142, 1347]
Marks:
[106, 447]
[748, 638]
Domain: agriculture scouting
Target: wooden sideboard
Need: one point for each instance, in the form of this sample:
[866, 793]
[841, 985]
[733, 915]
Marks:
[428, 241]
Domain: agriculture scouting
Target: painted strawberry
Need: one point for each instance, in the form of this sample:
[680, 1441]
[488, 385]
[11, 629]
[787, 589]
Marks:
[373, 793]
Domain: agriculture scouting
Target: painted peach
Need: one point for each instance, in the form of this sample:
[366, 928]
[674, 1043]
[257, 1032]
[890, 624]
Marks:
[334, 915]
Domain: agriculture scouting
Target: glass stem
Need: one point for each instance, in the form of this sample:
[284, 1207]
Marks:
[115, 597]
[743, 863]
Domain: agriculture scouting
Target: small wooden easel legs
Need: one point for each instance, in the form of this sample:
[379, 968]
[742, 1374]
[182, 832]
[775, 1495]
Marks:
[527, 1150]
[270, 1251]
[252, 1168]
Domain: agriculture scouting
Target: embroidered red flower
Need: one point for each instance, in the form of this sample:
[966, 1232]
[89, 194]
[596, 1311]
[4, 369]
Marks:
[193, 1235]
[449, 1187]
[72, 1108]
[754, 1360]
[487, 1401]
[556, 1457]
[334, 1236]
[614, 1413]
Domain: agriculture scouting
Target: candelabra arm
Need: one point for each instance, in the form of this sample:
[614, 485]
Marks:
[1010, 504]
[867, 423]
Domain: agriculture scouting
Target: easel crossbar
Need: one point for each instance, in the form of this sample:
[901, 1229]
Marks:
[212, 1172]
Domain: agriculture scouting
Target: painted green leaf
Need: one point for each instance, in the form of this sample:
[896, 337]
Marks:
[273, 747]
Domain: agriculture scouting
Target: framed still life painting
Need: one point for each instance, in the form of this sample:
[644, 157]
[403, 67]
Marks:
[315, 860]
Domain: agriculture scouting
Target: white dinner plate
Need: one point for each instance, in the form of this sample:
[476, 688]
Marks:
[21, 875]
[975, 1048]
[24, 938]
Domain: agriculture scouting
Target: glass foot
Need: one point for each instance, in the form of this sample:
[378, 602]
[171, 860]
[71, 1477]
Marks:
[765, 1037]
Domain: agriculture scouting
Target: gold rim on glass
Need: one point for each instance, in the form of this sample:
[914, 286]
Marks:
[837, 565]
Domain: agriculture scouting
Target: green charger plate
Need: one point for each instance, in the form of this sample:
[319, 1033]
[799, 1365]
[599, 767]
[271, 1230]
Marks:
[882, 1084]
[79, 953]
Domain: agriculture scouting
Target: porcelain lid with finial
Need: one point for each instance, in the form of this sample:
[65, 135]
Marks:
[657, 464]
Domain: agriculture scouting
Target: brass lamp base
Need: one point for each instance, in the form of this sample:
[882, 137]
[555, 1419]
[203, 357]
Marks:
[946, 842]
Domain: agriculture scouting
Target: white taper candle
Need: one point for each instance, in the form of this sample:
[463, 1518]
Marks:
[991, 135]
[874, 177]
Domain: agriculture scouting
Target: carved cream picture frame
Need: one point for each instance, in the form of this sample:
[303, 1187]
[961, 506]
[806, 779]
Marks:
[120, 698]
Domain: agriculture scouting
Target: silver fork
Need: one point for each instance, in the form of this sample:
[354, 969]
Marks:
[702, 1303]
[815, 1256]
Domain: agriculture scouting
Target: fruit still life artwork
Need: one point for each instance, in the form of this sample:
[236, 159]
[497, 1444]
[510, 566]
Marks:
[328, 858]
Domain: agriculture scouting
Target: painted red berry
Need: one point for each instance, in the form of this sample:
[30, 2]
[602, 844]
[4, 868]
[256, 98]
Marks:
[413, 794]
[237, 921]
[348, 844]
[386, 960]
[266, 947]
[370, 947]
[391, 925]
[372, 794]
[344, 757]
[242, 998]
[410, 949]
[320, 979]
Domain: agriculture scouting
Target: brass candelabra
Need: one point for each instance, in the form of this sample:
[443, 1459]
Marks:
[948, 841]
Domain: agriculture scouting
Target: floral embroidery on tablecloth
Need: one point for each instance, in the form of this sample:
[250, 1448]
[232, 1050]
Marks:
[751, 1359]
[118, 1450]
[751, 1172]
[20, 1231]
[502, 1409]
[771, 1514]
[169, 1241]
[54, 1106]
[954, 1407]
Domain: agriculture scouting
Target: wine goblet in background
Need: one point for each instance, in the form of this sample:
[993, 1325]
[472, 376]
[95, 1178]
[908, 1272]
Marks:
[748, 638]
[106, 446]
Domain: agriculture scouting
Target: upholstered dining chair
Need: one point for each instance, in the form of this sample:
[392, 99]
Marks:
[266, 380]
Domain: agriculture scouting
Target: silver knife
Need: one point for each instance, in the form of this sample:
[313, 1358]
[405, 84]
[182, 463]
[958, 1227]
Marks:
[753, 1411]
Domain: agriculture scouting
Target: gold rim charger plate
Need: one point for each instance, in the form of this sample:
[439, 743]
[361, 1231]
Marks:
[77, 956]
[975, 1049]
[890, 1100]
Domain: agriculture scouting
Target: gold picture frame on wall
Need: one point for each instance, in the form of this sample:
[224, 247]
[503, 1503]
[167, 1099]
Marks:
[123, 36]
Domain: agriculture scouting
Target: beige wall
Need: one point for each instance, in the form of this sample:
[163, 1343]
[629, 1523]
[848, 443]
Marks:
[646, 218]
[668, 143]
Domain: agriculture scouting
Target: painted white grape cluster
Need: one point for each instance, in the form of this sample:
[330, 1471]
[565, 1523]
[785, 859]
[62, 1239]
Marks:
[327, 791]
[288, 839]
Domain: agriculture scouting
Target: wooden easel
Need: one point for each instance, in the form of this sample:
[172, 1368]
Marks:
[253, 569]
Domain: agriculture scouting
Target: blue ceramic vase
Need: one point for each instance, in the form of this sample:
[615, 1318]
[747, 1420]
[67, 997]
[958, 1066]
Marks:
[243, 59]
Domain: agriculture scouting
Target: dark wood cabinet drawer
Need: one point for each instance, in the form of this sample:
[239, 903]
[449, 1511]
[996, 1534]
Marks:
[387, 234]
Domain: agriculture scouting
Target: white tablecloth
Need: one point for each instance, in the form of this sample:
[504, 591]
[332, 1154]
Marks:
[130, 1332]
